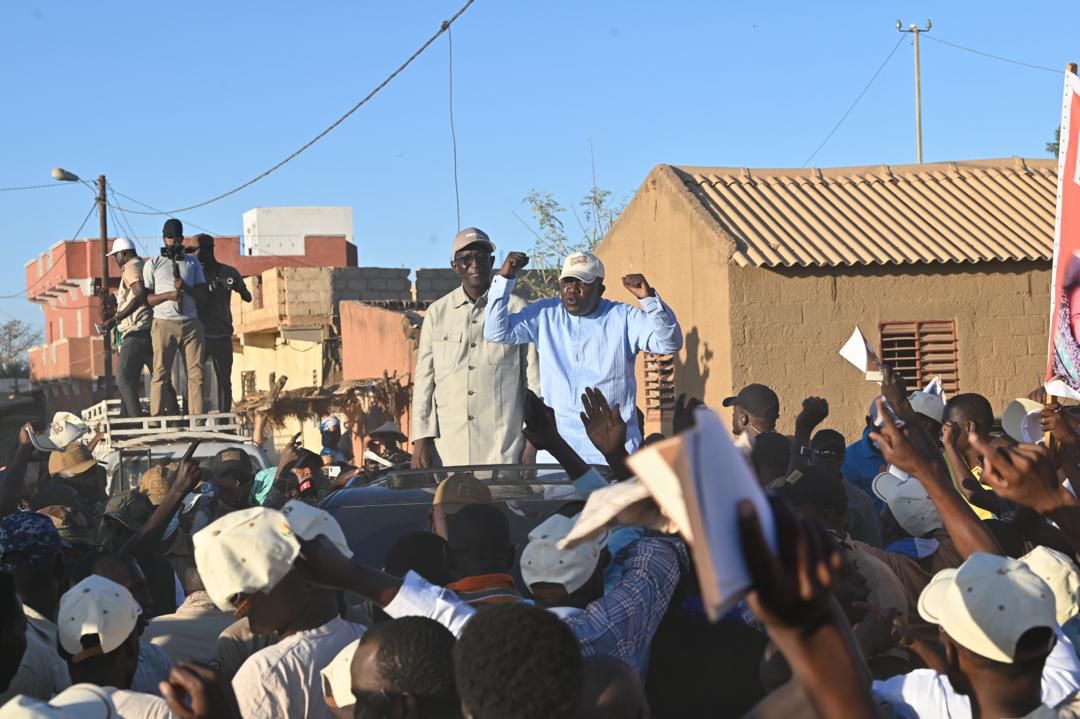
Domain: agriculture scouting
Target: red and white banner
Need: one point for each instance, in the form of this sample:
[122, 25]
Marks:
[1063, 364]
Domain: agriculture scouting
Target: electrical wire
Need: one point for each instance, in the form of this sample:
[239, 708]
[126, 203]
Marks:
[154, 210]
[444, 27]
[1000, 58]
[453, 132]
[32, 187]
[856, 102]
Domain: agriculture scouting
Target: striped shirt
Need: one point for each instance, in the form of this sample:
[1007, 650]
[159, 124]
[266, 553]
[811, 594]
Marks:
[598, 350]
[487, 589]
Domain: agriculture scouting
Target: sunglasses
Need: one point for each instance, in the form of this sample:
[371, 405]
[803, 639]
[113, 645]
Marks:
[472, 258]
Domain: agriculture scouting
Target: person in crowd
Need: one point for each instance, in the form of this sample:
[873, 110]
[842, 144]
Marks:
[28, 665]
[98, 633]
[612, 690]
[863, 460]
[132, 320]
[405, 667]
[770, 457]
[176, 286]
[425, 553]
[76, 530]
[755, 410]
[192, 631]
[451, 496]
[584, 340]
[330, 429]
[76, 467]
[469, 392]
[215, 313]
[930, 409]
[32, 551]
[232, 474]
[967, 414]
[827, 449]
[386, 440]
[245, 560]
[125, 515]
[481, 556]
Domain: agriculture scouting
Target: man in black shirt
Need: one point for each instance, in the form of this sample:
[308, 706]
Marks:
[216, 312]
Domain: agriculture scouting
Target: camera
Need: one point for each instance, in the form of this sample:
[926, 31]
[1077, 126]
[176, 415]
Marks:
[173, 252]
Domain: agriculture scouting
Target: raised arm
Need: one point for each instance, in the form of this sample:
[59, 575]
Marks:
[425, 423]
[499, 325]
[653, 328]
[814, 411]
[910, 448]
[13, 484]
[606, 429]
[147, 538]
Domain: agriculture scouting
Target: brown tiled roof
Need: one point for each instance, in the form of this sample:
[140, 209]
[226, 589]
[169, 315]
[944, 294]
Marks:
[977, 211]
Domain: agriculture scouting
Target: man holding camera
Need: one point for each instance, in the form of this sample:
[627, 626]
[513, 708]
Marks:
[176, 287]
[216, 312]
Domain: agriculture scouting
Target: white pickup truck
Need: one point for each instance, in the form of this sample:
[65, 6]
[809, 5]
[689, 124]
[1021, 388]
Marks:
[129, 446]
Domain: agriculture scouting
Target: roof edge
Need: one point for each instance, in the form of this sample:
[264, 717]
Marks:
[1019, 164]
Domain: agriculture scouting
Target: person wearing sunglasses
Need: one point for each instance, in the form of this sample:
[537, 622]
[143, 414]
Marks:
[469, 394]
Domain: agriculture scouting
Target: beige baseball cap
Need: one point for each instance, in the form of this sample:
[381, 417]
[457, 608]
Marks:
[100, 606]
[457, 490]
[80, 701]
[988, 603]
[156, 482]
[1022, 420]
[308, 522]
[471, 236]
[1060, 574]
[928, 405]
[909, 503]
[584, 266]
[244, 552]
[543, 562]
[64, 429]
[337, 678]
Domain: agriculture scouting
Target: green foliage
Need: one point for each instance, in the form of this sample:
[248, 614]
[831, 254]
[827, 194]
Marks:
[1055, 147]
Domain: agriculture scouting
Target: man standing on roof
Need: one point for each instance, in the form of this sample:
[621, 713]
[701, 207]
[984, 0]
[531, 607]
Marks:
[584, 340]
[469, 394]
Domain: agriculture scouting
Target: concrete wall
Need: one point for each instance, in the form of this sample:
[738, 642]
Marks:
[787, 326]
[431, 284]
[281, 230]
[370, 283]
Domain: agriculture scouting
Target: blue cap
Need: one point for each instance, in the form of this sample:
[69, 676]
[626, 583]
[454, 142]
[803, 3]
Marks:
[27, 538]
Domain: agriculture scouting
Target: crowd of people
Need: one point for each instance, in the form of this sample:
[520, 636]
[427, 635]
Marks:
[925, 569]
[177, 302]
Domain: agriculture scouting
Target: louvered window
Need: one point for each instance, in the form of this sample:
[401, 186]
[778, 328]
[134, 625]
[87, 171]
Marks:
[922, 351]
[659, 391]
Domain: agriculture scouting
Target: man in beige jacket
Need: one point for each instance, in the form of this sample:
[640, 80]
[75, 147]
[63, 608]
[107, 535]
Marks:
[469, 394]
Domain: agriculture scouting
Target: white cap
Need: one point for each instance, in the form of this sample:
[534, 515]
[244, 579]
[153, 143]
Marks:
[1061, 575]
[337, 678]
[909, 503]
[585, 266]
[120, 244]
[65, 429]
[80, 701]
[1022, 420]
[928, 405]
[543, 562]
[987, 604]
[244, 552]
[308, 522]
[100, 606]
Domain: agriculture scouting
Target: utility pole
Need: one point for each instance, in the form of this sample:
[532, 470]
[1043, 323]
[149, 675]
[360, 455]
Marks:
[105, 336]
[915, 30]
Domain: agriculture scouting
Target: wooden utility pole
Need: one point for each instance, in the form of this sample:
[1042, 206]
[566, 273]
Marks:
[106, 337]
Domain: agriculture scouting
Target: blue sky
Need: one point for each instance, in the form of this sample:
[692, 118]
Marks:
[176, 102]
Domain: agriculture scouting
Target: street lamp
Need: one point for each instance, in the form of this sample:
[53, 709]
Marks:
[61, 175]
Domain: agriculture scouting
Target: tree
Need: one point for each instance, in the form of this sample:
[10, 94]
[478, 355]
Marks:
[16, 337]
[1055, 147]
[552, 243]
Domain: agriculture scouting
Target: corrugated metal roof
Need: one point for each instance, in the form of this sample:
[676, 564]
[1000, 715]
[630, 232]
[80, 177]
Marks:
[976, 211]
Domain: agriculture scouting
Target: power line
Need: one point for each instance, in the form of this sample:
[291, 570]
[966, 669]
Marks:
[54, 260]
[856, 102]
[453, 133]
[154, 210]
[444, 27]
[992, 56]
[32, 187]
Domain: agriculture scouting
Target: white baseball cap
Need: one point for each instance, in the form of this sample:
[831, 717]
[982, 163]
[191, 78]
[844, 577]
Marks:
[543, 562]
[244, 552]
[64, 429]
[337, 678]
[1060, 574]
[120, 244]
[100, 606]
[988, 603]
[308, 522]
[1022, 420]
[584, 266]
[909, 503]
[80, 701]
[928, 405]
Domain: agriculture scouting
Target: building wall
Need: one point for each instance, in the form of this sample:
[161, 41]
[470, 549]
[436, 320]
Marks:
[281, 230]
[788, 325]
[677, 253]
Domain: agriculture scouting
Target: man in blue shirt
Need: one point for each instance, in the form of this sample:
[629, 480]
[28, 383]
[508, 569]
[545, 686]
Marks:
[863, 461]
[584, 340]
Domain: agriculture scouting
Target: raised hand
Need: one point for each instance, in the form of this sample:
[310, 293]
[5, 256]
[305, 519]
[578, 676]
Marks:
[905, 445]
[289, 452]
[1059, 423]
[540, 428]
[603, 424]
[195, 691]
[638, 286]
[423, 456]
[514, 263]
[814, 411]
[894, 389]
[1024, 474]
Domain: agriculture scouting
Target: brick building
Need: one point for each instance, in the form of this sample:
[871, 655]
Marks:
[944, 266]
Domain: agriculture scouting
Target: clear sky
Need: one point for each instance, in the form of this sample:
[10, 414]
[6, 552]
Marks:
[176, 102]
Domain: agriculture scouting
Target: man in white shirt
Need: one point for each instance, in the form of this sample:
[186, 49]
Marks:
[998, 627]
[245, 559]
